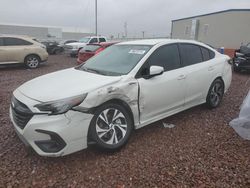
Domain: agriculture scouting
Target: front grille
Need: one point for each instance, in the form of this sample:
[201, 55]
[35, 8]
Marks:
[21, 113]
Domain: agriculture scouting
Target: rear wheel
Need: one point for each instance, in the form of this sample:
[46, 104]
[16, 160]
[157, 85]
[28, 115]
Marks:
[32, 61]
[111, 127]
[215, 93]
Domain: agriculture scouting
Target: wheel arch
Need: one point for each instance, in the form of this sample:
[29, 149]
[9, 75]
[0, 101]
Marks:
[120, 102]
[32, 54]
[114, 101]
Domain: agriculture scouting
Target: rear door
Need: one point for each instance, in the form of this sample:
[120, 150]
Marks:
[161, 94]
[199, 70]
[3, 53]
[16, 49]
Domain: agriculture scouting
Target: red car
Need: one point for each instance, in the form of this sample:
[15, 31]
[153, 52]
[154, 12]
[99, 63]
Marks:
[92, 49]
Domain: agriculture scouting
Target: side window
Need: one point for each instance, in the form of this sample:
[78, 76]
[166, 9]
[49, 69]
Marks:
[93, 40]
[102, 39]
[166, 56]
[1, 41]
[15, 42]
[205, 53]
[211, 54]
[190, 54]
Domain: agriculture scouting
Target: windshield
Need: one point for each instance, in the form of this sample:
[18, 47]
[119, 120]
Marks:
[84, 40]
[116, 60]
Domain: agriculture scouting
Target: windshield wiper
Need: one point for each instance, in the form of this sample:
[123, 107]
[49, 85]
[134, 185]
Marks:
[92, 70]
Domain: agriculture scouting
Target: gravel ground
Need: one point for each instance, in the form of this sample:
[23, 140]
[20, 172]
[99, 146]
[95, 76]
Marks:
[200, 151]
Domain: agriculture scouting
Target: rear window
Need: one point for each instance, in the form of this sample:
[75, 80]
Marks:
[1, 41]
[207, 54]
[91, 48]
[15, 42]
[191, 54]
[102, 39]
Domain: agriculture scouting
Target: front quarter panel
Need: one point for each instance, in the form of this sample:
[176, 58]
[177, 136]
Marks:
[125, 90]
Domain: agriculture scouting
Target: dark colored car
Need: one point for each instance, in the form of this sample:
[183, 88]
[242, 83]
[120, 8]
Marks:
[92, 49]
[53, 47]
[242, 58]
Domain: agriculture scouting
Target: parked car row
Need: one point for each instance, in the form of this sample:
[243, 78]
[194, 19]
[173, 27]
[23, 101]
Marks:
[73, 48]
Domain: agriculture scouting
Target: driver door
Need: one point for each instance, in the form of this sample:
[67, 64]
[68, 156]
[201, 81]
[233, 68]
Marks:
[163, 94]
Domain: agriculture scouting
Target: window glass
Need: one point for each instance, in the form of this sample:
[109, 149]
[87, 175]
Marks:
[1, 41]
[116, 60]
[102, 39]
[15, 42]
[211, 54]
[205, 53]
[93, 40]
[191, 54]
[166, 56]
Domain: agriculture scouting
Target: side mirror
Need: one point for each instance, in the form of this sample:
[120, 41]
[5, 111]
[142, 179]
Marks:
[155, 70]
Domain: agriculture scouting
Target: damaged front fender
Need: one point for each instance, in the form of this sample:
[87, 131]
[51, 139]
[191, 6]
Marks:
[125, 91]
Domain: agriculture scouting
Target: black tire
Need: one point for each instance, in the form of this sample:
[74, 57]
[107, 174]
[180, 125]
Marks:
[57, 51]
[215, 93]
[113, 133]
[32, 61]
[236, 69]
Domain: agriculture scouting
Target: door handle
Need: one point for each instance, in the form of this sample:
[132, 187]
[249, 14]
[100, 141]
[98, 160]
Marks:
[181, 77]
[210, 68]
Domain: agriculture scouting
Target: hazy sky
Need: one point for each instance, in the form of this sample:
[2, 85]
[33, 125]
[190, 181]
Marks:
[152, 16]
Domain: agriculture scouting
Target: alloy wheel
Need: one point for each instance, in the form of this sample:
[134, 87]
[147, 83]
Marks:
[32, 62]
[111, 126]
[216, 93]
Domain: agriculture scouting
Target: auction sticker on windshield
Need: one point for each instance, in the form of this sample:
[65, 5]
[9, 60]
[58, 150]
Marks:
[139, 52]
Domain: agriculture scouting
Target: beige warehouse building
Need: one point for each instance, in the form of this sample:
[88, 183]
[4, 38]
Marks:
[229, 28]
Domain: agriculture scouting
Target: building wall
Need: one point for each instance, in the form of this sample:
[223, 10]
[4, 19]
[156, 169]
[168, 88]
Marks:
[72, 35]
[227, 29]
[52, 33]
[37, 32]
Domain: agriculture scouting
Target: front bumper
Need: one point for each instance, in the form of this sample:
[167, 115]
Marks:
[54, 135]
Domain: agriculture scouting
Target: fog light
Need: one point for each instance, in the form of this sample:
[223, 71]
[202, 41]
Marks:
[54, 145]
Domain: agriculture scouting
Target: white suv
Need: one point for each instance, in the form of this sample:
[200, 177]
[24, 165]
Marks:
[73, 48]
[21, 49]
[125, 87]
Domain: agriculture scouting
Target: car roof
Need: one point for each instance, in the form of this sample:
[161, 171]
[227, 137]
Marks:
[17, 36]
[153, 42]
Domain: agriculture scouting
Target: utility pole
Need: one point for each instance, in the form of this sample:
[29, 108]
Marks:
[125, 29]
[96, 18]
[143, 34]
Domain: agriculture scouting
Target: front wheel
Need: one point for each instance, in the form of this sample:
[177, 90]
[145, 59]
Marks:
[215, 94]
[111, 127]
[32, 61]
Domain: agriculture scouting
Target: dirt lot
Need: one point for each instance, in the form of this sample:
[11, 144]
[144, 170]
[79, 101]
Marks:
[201, 151]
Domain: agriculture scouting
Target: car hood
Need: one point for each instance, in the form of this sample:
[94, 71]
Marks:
[76, 44]
[64, 84]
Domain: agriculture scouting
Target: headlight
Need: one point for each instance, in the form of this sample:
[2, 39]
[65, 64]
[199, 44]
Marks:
[60, 106]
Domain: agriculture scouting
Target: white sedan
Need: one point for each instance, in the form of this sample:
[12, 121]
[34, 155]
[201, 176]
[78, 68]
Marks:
[125, 87]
